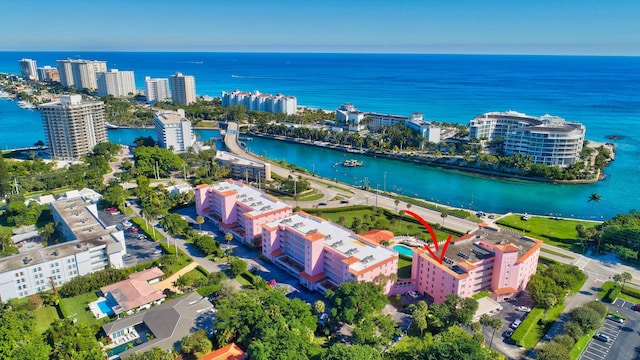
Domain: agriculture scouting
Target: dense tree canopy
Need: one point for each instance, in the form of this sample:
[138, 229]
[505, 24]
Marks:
[544, 291]
[146, 159]
[453, 311]
[352, 301]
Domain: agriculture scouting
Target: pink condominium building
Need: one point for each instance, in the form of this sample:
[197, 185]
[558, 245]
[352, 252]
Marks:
[490, 259]
[323, 255]
[239, 209]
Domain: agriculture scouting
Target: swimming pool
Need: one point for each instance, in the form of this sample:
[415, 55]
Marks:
[403, 250]
[106, 305]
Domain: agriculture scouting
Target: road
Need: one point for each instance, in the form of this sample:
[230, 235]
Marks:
[624, 337]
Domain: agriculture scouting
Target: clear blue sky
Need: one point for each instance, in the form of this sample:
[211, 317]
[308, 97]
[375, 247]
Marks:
[600, 27]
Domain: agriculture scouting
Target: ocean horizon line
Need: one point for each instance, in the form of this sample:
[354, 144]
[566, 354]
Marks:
[328, 53]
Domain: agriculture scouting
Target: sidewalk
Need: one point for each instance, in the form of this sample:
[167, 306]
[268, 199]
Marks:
[168, 282]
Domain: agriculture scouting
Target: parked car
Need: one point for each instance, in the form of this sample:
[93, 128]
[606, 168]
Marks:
[322, 204]
[602, 337]
[134, 230]
[127, 224]
[514, 325]
[323, 319]
[344, 201]
[523, 308]
[636, 307]
[414, 294]
[507, 333]
[614, 318]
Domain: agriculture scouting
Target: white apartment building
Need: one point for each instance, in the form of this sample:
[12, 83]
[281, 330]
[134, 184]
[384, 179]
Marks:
[174, 130]
[550, 140]
[156, 89]
[244, 169]
[183, 89]
[261, 102]
[91, 246]
[81, 74]
[353, 119]
[28, 69]
[116, 83]
[73, 127]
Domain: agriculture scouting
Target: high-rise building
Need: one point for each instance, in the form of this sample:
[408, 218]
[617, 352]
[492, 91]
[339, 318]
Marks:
[156, 89]
[80, 74]
[116, 83]
[261, 102]
[28, 69]
[183, 89]
[48, 73]
[73, 127]
[174, 130]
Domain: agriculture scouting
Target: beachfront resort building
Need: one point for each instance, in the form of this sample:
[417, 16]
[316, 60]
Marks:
[355, 120]
[73, 127]
[183, 89]
[116, 83]
[28, 69]
[550, 140]
[80, 74]
[174, 130]
[322, 255]
[160, 326]
[261, 102]
[156, 89]
[489, 259]
[90, 246]
[239, 209]
[49, 74]
[244, 169]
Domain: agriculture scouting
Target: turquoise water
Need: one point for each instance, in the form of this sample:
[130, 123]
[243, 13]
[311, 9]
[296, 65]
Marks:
[119, 349]
[403, 250]
[105, 307]
[600, 92]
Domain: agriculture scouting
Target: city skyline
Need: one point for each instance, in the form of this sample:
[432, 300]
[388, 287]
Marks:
[495, 27]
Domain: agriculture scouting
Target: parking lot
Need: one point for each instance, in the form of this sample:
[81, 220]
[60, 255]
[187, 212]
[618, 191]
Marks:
[598, 349]
[139, 249]
[624, 343]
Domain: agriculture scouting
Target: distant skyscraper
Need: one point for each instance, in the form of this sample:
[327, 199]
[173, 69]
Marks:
[174, 130]
[80, 74]
[48, 73]
[28, 69]
[183, 89]
[116, 83]
[73, 126]
[156, 89]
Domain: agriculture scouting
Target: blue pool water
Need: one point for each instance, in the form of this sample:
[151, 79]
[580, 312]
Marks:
[120, 348]
[106, 305]
[403, 250]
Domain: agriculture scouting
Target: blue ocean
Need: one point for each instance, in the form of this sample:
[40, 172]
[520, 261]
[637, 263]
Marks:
[601, 92]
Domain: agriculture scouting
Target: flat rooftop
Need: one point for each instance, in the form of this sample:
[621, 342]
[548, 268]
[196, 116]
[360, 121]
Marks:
[468, 247]
[84, 224]
[59, 251]
[252, 198]
[337, 238]
[227, 156]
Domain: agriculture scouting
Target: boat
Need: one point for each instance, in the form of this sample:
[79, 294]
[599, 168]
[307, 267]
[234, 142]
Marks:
[351, 163]
[26, 105]
[111, 126]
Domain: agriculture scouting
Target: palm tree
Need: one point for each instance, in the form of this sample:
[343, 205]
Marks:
[397, 202]
[444, 215]
[593, 199]
[496, 324]
[616, 279]
[625, 277]
[199, 221]
[228, 237]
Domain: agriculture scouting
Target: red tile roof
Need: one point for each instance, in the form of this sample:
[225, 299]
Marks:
[229, 352]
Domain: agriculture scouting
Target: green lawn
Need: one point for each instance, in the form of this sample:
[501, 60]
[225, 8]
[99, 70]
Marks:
[556, 253]
[580, 345]
[44, 317]
[561, 233]
[532, 330]
[78, 307]
[403, 226]
[404, 269]
[608, 285]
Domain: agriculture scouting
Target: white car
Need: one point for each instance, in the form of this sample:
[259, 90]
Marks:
[523, 308]
[515, 324]
[414, 294]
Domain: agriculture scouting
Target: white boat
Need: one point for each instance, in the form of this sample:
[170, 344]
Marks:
[26, 105]
[351, 163]
[111, 126]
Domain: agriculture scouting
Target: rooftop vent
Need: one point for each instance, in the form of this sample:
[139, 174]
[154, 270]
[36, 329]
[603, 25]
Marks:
[26, 260]
[286, 220]
[351, 251]
[337, 243]
[367, 259]
[55, 253]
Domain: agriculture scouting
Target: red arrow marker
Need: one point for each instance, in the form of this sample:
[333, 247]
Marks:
[433, 237]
